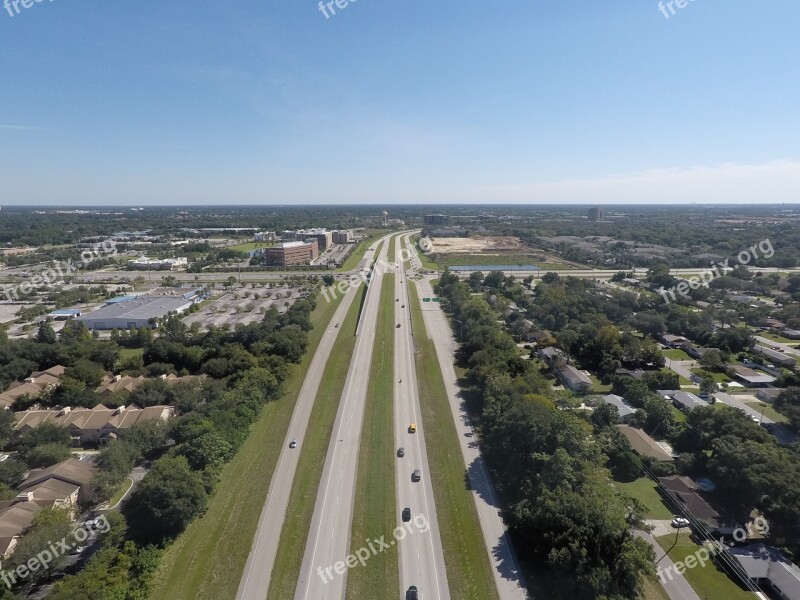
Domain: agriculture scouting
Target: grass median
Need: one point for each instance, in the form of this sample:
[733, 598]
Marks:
[374, 513]
[208, 559]
[469, 573]
[296, 525]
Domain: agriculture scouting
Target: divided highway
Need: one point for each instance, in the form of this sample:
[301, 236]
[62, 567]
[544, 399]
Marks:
[328, 540]
[420, 552]
[505, 566]
[258, 570]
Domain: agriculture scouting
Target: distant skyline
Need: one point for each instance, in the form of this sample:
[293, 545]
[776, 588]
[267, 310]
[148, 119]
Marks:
[400, 103]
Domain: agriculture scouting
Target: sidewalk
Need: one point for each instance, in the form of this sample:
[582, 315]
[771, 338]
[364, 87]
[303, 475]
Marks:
[508, 578]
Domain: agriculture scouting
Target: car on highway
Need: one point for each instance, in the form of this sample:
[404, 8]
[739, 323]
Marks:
[416, 475]
[679, 522]
[412, 428]
[403, 306]
[406, 515]
[401, 452]
[293, 444]
[398, 326]
[337, 324]
[412, 593]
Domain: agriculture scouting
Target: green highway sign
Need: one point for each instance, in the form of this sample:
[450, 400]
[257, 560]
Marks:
[426, 299]
[437, 299]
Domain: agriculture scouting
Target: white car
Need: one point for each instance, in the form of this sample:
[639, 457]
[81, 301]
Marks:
[293, 444]
[679, 522]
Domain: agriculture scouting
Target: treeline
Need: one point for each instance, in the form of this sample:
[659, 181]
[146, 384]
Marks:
[566, 520]
[244, 369]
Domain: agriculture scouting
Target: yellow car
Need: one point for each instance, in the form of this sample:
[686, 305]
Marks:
[412, 428]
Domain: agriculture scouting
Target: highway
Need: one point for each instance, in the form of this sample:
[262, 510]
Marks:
[328, 541]
[258, 570]
[420, 553]
[508, 577]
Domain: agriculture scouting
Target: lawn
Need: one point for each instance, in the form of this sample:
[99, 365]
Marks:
[297, 523]
[249, 246]
[208, 559]
[708, 581]
[374, 513]
[453, 260]
[675, 354]
[717, 377]
[426, 261]
[120, 493]
[358, 253]
[644, 490]
[469, 573]
[652, 590]
[125, 353]
[598, 387]
[768, 411]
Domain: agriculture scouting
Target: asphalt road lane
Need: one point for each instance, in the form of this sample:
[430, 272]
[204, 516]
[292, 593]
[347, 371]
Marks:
[258, 570]
[420, 553]
[328, 541]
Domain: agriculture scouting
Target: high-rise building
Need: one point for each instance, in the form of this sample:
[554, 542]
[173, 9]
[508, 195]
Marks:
[435, 219]
[291, 253]
[596, 214]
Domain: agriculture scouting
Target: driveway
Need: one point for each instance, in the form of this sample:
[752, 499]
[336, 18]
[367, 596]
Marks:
[674, 583]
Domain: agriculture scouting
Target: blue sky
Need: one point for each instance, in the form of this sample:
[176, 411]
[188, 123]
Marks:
[399, 101]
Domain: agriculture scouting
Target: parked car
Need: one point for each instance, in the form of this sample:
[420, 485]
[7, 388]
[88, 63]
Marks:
[679, 522]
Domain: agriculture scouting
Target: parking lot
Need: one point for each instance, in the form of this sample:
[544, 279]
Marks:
[244, 305]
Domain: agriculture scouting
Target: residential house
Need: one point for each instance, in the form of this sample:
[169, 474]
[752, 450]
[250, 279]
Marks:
[35, 384]
[92, 425]
[792, 334]
[683, 494]
[674, 341]
[769, 569]
[550, 354]
[684, 401]
[573, 379]
[15, 517]
[644, 445]
[626, 413]
[750, 377]
[73, 472]
[768, 395]
[776, 357]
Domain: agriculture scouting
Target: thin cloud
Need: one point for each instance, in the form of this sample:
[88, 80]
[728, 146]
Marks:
[20, 128]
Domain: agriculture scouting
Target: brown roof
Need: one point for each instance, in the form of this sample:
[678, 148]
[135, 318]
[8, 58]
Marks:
[71, 470]
[643, 444]
[683, 491]
[117, 383]
[15, 517]
[85, 419]
[50, 491]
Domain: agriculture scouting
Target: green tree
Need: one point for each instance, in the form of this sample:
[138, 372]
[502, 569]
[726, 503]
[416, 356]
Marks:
[165, 501]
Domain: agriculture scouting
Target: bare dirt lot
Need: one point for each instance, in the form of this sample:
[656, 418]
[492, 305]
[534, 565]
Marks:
[476, 245]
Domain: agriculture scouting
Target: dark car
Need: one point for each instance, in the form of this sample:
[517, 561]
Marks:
[406, 514]
[412, 594]
[401, 452]
[398, 326]
[416, 475]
